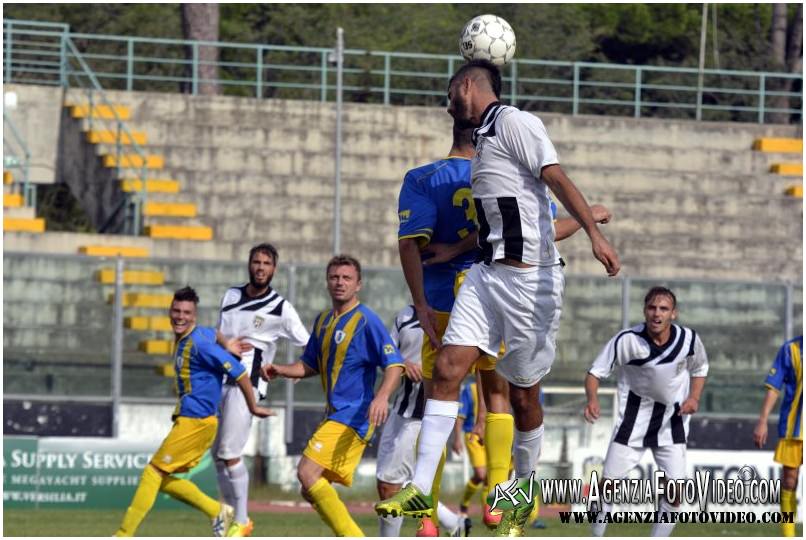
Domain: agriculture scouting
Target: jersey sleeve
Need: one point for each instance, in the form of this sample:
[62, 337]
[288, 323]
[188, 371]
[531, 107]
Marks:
[293, 329]
[416, 211]
[311, 353]
[527, 139]
[214, 355]
[697, 363]
[394, 331]
[381, 349]
[607, 360]
[777, 373]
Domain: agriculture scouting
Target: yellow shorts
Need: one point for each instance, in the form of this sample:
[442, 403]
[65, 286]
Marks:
[185, 444]
[475, 450]
[789, 453]
[338, 449]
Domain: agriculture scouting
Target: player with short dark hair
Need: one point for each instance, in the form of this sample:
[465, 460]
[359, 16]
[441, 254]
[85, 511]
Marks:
[515, 293]
[661, 369]
[347, 346]
[258, 316]
[786, 374]
[200, 365]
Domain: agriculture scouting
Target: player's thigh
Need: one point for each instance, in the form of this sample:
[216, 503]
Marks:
[397, 450]
[186, 444]
[472, 321]
[620, 459]
[428, 353]
[235, 424]
[338, 449]
[671, 460]
[529, 303]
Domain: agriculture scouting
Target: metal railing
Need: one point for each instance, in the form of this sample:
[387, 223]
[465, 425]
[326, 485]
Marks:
[16, 155]
[400, 78]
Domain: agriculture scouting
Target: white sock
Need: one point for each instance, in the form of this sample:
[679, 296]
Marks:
[663, 529]
[390, 526]
[224, 485]
[447, 519]
[598, 529]
[239, 478]
[438, 420]
[526, 450]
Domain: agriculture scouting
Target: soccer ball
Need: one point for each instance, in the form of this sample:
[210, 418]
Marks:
[487, 37]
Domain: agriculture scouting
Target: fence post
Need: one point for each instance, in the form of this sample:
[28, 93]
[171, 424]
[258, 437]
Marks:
[450, 74]
[387, 67]
[513, 91]
[129, 64]
[638, 74]
[63, 59]
[117, 347]
[195, 68]
[762, 97]
[323, 79]
[789, 311]
[575, 104]
[625, 302]
[289, 359]
[259, 74]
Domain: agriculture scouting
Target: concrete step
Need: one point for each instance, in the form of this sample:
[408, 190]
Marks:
[23, 212]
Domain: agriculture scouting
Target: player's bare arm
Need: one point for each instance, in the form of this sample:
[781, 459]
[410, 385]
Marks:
[692, 402]
[297, 370]
[246, 387]
[592, 409]
[379, 408]
[760, 432]
[412, 265]
[440, 253]
[568, 226]
[573, 201]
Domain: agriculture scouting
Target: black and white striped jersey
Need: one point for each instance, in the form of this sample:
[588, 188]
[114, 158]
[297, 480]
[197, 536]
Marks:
[409, 400]
[512, 202]
[262, 321]
[653, 382]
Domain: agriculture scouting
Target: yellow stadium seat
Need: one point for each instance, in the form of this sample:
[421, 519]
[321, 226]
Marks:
[795, 191]
[179, 232]
[166, 370]
[154, 323]
[103, 112]
[157, 346]
[132, 277]
[8, 178]
[12, 200]
[134, 161]
[168, 209]
[153, 185]
[787, 169]
[114, 251]
[30, 225]
[143, 300]
[779, 145]
[111, 137]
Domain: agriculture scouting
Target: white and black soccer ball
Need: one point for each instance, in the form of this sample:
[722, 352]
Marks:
[487, 37]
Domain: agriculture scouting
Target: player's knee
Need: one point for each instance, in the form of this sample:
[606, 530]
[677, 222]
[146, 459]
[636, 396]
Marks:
[789, 480]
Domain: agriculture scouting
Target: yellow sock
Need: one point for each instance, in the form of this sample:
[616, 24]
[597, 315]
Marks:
[143, 500]
[187, 492]
[498, 437]
[332, 509]
[435, 487]
[470, 489]
[788, 504]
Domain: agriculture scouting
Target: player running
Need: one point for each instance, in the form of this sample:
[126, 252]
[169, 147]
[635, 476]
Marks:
[661, 369]
[200, 365]
[260, 316]
[347, 346]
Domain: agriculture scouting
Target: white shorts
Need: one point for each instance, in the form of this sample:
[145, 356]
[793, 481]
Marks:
[234, 424]
[621, 459]
[397, 450]
[520, 306]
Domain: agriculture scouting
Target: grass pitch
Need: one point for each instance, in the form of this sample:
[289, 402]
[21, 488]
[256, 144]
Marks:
[191, 523]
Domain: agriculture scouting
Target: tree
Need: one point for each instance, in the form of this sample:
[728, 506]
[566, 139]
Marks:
[786, 50]
[200, 23]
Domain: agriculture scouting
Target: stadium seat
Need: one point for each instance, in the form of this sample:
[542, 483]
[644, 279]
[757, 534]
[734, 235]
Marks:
[157, 346]
[166, 370]
[169, 209]
[179, 232]
[30, 225]
[133, 161]
[114, 251]
[103, 112]
[795, 191]
[787, 169]
[132, 277]
[153, 185]
[778, 145]
[12, 200]
[144, 300]
[8, 178]
[112, 137]
[145, 323]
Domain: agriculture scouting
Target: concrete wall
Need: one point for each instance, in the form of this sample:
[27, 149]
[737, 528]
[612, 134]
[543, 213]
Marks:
[37, 117]
[689, 199]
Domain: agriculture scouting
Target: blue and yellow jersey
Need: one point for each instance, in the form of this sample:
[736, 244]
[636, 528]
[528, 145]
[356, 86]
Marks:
[436, 205]
[787, 373]
[200, 367]
[346, 351]
[469, 406]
